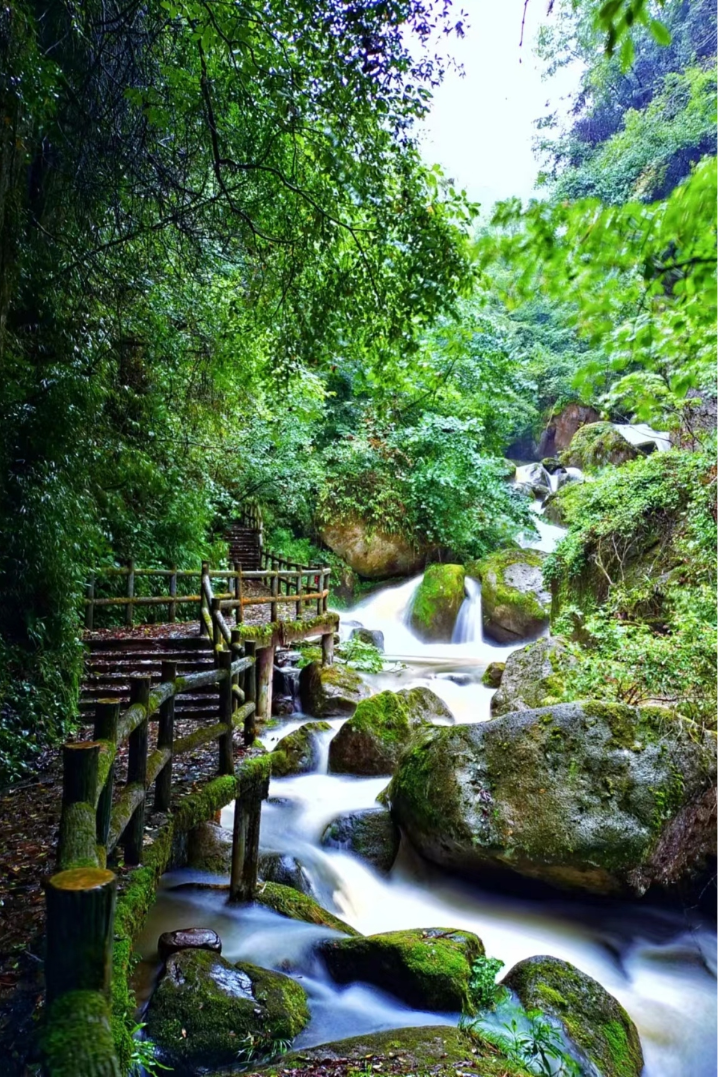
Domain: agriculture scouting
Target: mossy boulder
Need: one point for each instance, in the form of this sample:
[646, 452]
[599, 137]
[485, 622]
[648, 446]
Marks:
[437, 602]
[594, 796]
[493, 674]
[598, 445]
[209, 848]
[372, 636]
[429, 968]
[286, 870]
[205, 1008]
[439, 1050]
[372, 552]
[535, 676]
[299, 751]
[330, 691]
[533, 479]
[592, 1019]
[371, 834]
[515, 603]
[372, 741]
[295, 906]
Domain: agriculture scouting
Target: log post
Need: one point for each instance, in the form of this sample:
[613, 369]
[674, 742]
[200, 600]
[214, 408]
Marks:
[298, 591]
[80, 913]
[90, 606]
[79, 775]
[172, 612]
[216, 630]
[239, 851]
[203, 631]
[328, 649]
[238, 593]
[265, 673]
[226, 706]
[250, 692]
[275, 592]
[325, 588]
[320, 579]
[107, 712]
[165, 739]
[137, 770]
[251, 852]
[130, 607]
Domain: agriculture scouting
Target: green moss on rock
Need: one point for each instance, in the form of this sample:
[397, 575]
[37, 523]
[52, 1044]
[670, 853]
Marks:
[330, 691]
[534, 676]
[515, 603]
[298, 752]
[437, 602]
[429, 968]
[592, 1018]
[372, 741]
[370, 834]
[205, 1008]
[77, 1037]
[290, 903]
[492, 675]
[596, 446]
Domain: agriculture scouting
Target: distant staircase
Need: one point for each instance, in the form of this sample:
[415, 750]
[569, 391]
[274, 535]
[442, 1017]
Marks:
[245, 546]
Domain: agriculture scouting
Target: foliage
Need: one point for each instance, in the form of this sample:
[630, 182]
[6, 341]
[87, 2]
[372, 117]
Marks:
[360, 655]
[482, 984]
[144, 1055]
[528, 1038]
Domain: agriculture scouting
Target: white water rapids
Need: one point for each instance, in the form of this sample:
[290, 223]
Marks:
[659, 962]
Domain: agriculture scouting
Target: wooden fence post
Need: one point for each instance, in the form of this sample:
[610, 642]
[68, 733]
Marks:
[326, 576]
[226, 707]
[216, 630]
[130, 607]
[107, 712]
[298, 591]
[274, 592]
[250, 692]
[137, 770]
[265, 672]
[328, 649]
[320, 588]
[165, 739]
[239, 850]
[203, 630]
[172, 611]
[238, 593]
[80, 913]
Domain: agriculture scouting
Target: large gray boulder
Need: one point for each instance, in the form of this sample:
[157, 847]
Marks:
[515, 603]
[594, 796]
[534, 479]
[534, 676]
[372, 552]
[372, 741]
[593, 1021]
[371, 834]
[330, 691]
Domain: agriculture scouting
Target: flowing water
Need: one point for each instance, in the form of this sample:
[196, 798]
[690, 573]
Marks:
[659, 963]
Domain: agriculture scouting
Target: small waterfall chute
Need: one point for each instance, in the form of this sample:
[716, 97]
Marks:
[468, 627]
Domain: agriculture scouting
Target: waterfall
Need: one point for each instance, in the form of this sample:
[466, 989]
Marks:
[468, 627]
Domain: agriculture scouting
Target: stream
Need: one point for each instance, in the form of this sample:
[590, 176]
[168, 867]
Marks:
[658, 961]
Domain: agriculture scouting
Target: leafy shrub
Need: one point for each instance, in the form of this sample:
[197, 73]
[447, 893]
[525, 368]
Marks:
[482, 983]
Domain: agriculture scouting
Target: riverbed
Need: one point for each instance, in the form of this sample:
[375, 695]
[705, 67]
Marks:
[658, 961]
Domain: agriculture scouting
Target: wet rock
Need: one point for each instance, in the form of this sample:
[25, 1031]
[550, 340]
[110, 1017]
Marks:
[534, 676]
[596, 446]
[429, 968]
[551, 464]
[286, 870]
[594, 796]
[372, 552]
[371, 834]
[567, 476]
[563, 425]
[330, 691]
[282, 706]
[285, 690]
[372, 741]
[592, 1020]
[205, 1010]
[188, 938]
[493, 674]
[209, 848]
[295, 906]
[287, 658]
[299, 751]
[437, 602]
[369, 635]
[534, 478]
[515, 603]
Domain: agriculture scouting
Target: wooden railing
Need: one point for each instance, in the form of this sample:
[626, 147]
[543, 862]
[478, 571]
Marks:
[285, 580]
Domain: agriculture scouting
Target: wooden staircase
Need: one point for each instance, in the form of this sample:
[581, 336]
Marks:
[245, 546]
[111, 661]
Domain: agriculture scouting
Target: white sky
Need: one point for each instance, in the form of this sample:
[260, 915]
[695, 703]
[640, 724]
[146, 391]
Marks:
[481, 125]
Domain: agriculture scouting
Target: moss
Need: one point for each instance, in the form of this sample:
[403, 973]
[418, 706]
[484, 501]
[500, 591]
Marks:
[290, 903]
[437, 602]
[595, 446]
[439, 1050]
[492, 674]
[330, 691]
[205, 1009]
[508, 612]
[298, 752]
[594, 1020]
[428, 968]
[77, 1038]
[372, 741]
